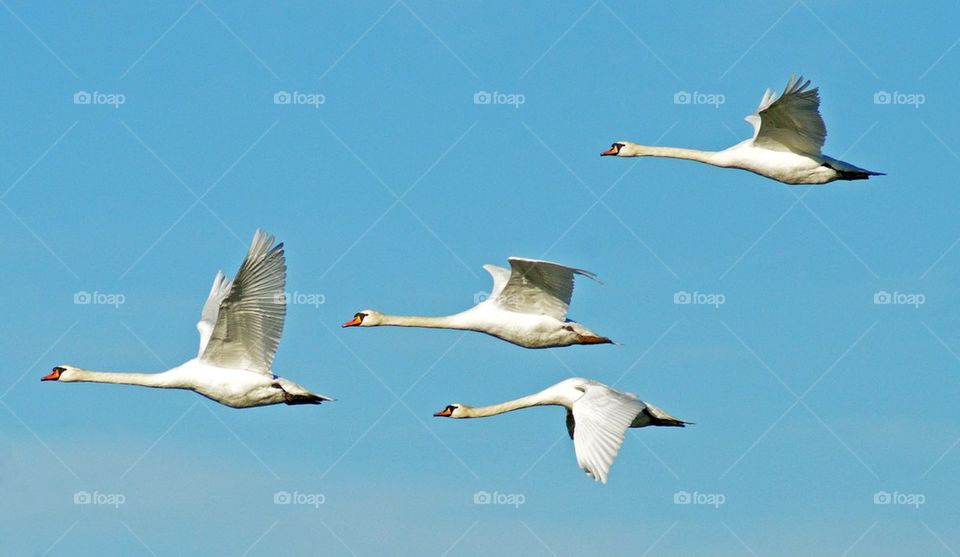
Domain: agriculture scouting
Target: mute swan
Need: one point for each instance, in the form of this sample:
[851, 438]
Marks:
[527, 307]
[240, 329]
[597, 418]
[788, 133]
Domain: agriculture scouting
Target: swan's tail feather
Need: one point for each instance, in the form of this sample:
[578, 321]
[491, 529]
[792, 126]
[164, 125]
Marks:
[847, 171]
[857, 174]
[669, 422]
[655, 416]
[294, 394]
[306, 398]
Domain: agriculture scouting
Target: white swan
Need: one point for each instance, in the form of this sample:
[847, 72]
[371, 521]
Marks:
[597, 418]
[788, 134]
[527, 306]
[240, 329]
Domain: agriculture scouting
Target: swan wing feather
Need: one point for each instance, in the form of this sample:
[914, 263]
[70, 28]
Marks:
[790, 121]
[250, 314]
[600, 420]
[500, 277]
[538, 287]
[208, 317]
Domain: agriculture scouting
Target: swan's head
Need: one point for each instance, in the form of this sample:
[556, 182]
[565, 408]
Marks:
[365, 318]
[58, 373]
[455, 410]
[574, 333]
[621, 149]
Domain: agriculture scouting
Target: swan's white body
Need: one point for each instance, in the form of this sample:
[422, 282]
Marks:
[240, 330]
[788, 134]
[598, 417]
[527, 306]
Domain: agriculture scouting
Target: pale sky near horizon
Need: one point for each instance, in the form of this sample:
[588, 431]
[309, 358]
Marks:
[144, 146]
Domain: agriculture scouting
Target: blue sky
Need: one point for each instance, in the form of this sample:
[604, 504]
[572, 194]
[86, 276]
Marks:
[811, 401]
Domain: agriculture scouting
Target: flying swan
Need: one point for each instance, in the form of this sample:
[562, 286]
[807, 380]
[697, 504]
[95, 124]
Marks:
[788, 134]
[597, 418]
[527, 306]
[240, 329]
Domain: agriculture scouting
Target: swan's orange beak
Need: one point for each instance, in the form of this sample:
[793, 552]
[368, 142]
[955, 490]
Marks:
[355, 322]
[612, 151]
[584, 339]
[54, 374]
[443, 413]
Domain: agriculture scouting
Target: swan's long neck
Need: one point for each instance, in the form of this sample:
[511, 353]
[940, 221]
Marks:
[709, 157]
[440, 322]
[164, 380]
[537, 399]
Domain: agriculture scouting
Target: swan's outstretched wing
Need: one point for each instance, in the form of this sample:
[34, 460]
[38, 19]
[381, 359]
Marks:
[208, 318]
[597, 424]
[249, 311]
[790, 121]
[500, 278]
[538, 287]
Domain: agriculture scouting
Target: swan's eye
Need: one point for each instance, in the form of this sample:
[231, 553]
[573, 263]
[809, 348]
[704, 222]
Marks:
[360, 316]
[451, 408]
[568, 328]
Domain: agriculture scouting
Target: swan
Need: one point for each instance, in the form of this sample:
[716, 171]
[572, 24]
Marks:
[240, 328]
[597, 418]
[788, 134]
[527, 306]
